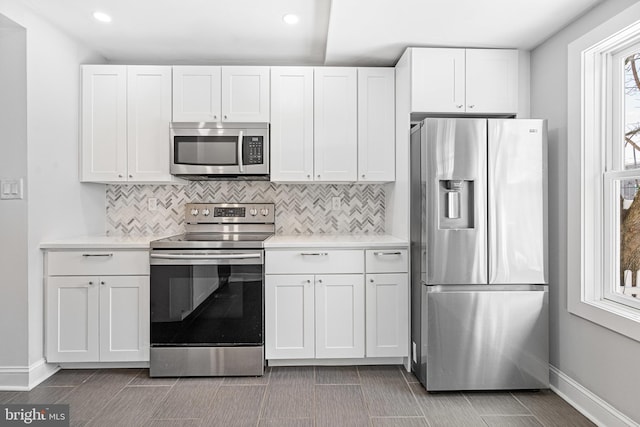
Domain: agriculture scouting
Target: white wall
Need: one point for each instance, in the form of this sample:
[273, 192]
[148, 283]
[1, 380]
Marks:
[601, 360]
[58, 205]
[13, 213]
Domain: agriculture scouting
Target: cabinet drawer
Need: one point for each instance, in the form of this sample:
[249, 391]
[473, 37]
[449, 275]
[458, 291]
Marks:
[97, 263]
[314, 261]
[387, 261]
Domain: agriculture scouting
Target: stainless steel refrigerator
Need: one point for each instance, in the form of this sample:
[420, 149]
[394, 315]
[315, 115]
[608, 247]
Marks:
[479, 254]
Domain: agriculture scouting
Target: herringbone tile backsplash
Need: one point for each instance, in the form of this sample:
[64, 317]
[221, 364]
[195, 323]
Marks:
[300, 209]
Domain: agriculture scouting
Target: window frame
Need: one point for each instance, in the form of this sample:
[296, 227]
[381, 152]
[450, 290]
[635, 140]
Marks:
[593, 239]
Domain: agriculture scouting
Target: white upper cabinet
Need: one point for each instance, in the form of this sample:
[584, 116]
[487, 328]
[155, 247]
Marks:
[437, 80]
[220, 94]
[196, 94]
[376, 124]
[104, 123]
[492, 80]
[148, 118]
[335, 124]
[450, 81]
[291, 124]
[126, 112]
[245, 94]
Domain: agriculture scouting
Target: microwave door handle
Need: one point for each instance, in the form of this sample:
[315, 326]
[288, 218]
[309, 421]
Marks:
[240, 165]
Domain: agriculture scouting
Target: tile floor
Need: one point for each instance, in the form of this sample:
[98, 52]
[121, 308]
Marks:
[374, 396]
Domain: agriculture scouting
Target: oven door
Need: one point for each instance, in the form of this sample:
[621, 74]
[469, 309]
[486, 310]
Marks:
[207, 298]
[223, 151]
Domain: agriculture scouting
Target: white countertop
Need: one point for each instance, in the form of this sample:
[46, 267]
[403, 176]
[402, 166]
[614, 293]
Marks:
[278, 241]
[334, 241]
[101, 242]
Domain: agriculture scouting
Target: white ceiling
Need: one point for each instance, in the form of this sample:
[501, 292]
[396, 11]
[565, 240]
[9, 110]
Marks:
[338, 32]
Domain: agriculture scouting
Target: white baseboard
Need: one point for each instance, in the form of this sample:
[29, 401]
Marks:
[24, 378]
[590, 405]
[336, 362]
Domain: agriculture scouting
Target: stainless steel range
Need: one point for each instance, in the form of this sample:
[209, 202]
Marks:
[207, 292]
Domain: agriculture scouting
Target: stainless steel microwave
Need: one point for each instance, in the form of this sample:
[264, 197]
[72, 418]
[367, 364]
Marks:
[220, 150]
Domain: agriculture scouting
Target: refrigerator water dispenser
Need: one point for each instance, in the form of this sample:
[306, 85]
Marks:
[456, 204]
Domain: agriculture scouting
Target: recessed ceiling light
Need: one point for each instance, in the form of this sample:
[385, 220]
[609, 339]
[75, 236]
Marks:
[102, 17]
[290, 18]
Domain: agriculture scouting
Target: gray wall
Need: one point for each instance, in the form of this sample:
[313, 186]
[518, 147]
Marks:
[601, 360]
[43, 148]
[13, 213]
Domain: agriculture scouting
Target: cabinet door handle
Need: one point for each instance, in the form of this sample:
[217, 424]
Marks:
[102, 282]
[90, 283]
[371, 280]
[314, 253]
[459, 106]
[97, 255]
[471, 106]
[387, 253]
[308, 281]
[319, 280]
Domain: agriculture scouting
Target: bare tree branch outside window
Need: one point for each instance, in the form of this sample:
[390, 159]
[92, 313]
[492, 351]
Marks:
[630, 217]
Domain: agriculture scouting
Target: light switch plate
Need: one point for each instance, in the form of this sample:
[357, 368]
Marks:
[11, 189]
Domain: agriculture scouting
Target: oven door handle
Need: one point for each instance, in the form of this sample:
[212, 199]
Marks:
[205, 256]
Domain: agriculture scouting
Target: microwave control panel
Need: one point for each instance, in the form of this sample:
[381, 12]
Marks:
[252, 150]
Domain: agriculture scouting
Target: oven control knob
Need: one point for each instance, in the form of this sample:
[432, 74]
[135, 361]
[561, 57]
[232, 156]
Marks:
[253, 211]
[194, 212]
[206, 212]
[264, 211]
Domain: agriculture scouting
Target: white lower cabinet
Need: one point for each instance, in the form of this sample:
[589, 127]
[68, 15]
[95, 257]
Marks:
[289, 317]
[124, 318]
[72, 319]
[339, 316]
[387, 314]
[319, 306]
[94, 312]
[314, 316]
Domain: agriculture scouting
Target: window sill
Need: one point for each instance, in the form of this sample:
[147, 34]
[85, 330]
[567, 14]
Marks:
[617, 317]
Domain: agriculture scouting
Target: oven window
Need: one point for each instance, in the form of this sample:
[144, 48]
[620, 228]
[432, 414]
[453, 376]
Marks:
[206, 150]
[206, 305]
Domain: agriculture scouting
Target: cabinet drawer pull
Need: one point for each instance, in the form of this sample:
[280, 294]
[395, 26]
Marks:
[95, 255]
[314, 253]
[386, 253]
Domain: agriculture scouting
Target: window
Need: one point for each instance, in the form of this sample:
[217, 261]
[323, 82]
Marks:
[603, 271]
[622, 179]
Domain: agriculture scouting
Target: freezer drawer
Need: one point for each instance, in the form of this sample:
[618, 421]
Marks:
[486, 337]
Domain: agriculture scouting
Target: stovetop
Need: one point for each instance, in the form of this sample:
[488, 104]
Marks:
[212, 241]
[223, 226]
